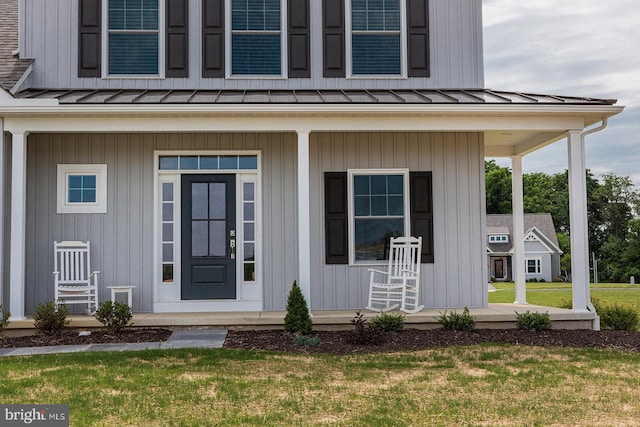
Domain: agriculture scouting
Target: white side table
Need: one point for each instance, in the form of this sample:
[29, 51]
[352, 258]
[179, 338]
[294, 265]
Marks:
[122, 289]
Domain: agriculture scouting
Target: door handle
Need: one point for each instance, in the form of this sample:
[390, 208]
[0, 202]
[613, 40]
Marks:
[232, 245]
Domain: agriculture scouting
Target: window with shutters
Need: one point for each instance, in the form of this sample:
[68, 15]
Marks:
[376, 43]
[379, 210]
[133, 37]
[257, 42]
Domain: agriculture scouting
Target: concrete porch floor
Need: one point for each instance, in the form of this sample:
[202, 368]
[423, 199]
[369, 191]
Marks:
[501, 316]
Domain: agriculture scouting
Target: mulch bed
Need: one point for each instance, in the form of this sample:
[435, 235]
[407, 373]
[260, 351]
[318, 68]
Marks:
[101, 336]
[340, 342]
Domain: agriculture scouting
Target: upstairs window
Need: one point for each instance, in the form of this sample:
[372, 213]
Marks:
[133, 37]
[256, 37]
[498, 238]
[376, 42]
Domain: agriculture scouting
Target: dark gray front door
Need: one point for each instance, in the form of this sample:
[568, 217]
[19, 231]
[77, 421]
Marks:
[208, 237]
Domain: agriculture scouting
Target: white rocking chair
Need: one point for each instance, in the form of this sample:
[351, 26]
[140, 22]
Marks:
[73, 282]
[401, 284]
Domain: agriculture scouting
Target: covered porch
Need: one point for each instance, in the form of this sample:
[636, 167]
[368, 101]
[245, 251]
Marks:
[504, 124]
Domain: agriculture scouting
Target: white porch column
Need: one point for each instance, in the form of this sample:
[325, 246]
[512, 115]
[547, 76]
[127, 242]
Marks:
[518, 264]
[578, 222]
[18, 221]
[304, 222]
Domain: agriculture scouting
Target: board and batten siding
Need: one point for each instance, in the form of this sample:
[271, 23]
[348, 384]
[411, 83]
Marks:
[49, 34]
[122, 239]
[457, 278]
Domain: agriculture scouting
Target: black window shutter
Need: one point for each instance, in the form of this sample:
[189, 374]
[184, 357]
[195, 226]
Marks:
[299, 39]
[333, 40]
[418, 37]
[89, 38]
[421, 197]
[336, 217]
[177, 38]
[213, 38]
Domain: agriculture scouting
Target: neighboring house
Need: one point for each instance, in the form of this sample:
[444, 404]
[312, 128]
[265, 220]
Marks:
[214, 151]
[541, 249]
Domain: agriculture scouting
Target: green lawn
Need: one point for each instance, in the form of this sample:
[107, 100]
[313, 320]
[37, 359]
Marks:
[476, 385]
[553, 294]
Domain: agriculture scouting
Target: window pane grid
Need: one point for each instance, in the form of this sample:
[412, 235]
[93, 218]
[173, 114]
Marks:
[256, 44]
[81, 188]
[133, 37]
[379, 213]
[167, 232]
[375, 38]
[209, 162]
[249, 225]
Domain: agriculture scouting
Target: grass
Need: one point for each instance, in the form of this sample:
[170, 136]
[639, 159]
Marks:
[476, 385]
[553, 294]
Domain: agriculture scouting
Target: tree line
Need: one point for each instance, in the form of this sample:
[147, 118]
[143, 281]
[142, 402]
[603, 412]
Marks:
[613, 207]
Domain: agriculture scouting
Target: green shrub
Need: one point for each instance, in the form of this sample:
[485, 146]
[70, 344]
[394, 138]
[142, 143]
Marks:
[363, 333]
[565, 303]
[297, 319]
[49, 319]
[619, 317]
[457, 321]
[389, 322]
[306, 340]
[4, 318]
[115, 316]
[533, 321]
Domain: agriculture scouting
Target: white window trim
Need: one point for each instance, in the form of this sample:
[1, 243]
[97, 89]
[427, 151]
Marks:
[403, 46]
[538, 262]
[161, 46]
[284, 60]
[64, 206]
[498, 238]
[407, 220]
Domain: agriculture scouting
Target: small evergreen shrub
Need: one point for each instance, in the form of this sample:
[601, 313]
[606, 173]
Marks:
[4, 318]
[115, 316]
[389, 322]
[306, 340]
[297, 320]
[50, 320]
[364, 333]
[619, 317]
[533, 321]
[565, 303]
[457, 321]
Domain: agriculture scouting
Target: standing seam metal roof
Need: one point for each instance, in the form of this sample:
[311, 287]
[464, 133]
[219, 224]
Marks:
[303, 96]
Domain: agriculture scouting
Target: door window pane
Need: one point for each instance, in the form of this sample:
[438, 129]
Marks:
[217, 201]
[217, 238]
[199, 238]
[200, 200]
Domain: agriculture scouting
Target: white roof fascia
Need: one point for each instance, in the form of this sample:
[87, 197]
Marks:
[547, 243]
[34, 115]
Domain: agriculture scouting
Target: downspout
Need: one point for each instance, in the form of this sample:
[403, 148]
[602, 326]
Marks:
[590, 306]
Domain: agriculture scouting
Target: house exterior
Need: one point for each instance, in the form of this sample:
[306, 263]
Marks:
[214, 151]
[541, 248]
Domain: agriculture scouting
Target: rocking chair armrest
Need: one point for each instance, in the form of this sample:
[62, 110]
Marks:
[415, 273]
[56, 273]
[373, 270]
[94, 273]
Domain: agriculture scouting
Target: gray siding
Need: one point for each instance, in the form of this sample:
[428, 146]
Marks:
[122, 239]
[49, 34]
[458, 276]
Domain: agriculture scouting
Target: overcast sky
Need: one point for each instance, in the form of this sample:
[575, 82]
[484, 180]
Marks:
[587, 48]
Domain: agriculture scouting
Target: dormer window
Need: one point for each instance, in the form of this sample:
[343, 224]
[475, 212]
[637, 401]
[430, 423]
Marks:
[376, 44]
[498, 238]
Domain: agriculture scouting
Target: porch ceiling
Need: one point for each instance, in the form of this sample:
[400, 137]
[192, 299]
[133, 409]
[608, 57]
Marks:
[513, 123]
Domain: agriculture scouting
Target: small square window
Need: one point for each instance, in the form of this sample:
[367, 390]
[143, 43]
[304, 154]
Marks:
[82, 188]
